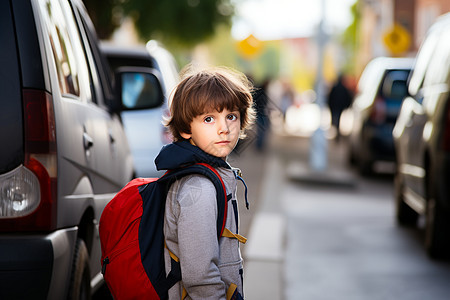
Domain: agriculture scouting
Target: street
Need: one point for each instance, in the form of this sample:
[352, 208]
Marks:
[328, 235]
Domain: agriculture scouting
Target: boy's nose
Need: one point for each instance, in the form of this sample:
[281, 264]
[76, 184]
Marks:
[223, 127]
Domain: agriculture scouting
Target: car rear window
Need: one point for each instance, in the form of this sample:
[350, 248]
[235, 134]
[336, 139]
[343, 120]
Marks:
[393, 90]
[395, 85]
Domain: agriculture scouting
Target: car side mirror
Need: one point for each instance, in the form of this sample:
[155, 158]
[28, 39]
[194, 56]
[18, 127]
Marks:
[138, 88]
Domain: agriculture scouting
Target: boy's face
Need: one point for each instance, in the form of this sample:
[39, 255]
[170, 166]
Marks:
[216, 133]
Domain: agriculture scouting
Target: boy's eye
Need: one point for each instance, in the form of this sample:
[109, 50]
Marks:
[208, 119]
[232, 117]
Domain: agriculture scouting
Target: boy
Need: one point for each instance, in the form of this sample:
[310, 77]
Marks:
[210, 110]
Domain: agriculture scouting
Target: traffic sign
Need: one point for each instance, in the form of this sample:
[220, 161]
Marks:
[397, 40]
[250, 46]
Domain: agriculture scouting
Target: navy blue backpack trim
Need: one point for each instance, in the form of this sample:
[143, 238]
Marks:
[151, 238]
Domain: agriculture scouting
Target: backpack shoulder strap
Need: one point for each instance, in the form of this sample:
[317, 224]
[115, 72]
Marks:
[212, 174]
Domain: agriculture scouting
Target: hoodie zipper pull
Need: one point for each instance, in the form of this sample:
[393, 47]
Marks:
[238, 174]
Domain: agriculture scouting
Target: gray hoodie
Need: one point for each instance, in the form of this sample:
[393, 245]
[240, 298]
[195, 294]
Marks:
[208, 265]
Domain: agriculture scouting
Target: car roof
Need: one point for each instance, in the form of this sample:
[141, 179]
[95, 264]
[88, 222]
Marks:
[389, 63]
[124, 51]
[375, 69]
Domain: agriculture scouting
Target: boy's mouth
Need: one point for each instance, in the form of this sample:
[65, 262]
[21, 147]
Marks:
[223, 143]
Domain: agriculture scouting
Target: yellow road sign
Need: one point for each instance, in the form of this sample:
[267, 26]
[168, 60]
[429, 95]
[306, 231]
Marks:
[250, 46]
[397, 40]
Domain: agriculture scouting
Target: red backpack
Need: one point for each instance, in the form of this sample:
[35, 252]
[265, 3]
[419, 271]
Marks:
[132, 239]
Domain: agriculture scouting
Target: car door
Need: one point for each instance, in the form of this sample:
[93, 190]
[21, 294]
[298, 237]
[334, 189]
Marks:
[413, 165]
[93, 155]
[88, 136]
[411, 120]
[115, 158]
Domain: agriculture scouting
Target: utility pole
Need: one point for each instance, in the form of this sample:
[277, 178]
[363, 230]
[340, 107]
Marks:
[319, 147]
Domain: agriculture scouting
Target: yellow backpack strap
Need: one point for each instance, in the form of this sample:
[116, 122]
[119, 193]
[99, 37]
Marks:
[172, 255]
[227, 233]
[232, 289]
[184, 294]
[175, 258]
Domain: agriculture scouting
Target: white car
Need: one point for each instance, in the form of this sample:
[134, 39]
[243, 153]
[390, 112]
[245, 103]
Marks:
[374, 110]
[145, 131]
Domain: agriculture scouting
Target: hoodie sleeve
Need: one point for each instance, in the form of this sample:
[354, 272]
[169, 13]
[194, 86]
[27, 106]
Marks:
[197, 239]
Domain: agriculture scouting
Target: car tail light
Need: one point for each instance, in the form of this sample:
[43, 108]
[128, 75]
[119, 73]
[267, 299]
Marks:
[378, 112]
[28, 193]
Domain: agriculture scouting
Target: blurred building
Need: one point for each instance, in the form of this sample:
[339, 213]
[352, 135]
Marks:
[395, 27]
[425, 14]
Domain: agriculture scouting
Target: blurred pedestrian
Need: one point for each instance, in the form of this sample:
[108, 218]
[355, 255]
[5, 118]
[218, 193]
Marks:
[262, 117]
[287, 98]
[339, 99]
[210, 110]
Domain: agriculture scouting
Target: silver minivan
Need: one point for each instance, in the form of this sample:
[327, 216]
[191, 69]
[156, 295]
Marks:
[65, 151]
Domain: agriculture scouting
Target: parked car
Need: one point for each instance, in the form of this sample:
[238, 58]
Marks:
[422, 140]
[374, 110]
[144, 128]
[65, 154]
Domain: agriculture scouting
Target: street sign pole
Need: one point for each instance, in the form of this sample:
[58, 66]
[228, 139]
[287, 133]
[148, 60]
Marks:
[318, 147]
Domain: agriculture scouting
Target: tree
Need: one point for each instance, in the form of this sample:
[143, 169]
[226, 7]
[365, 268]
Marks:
[101, 13]
[186, 22]
[350, 38]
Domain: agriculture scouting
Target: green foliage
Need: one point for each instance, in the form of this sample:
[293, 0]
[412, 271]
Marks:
[186, 22]
[223, 50]
[350, 38]
[101, 13]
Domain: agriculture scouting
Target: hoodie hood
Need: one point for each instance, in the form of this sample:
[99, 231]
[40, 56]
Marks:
[182, 153]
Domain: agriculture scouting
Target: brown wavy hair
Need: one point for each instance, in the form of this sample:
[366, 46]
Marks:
[211, 89]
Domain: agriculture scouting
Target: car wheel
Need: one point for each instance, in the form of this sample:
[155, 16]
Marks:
[405, 215]
[80, 283]
[437, 230]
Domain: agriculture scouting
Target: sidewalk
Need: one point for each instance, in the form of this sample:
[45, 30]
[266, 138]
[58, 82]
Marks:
[286, 159]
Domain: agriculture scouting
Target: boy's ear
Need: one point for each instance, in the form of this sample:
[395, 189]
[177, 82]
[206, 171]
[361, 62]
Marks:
[185, 135]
